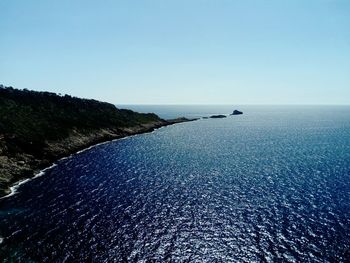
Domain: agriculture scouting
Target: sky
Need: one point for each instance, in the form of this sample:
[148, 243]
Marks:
[179, 51]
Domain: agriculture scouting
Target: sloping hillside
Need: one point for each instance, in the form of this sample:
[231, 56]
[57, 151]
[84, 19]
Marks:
[37, 128]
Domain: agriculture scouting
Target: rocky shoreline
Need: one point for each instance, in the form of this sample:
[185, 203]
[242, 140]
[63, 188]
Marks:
[23, 166]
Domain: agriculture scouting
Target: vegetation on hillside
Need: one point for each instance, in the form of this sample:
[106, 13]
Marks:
[28, 119]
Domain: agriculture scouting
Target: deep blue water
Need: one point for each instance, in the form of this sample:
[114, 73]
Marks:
[270, 185]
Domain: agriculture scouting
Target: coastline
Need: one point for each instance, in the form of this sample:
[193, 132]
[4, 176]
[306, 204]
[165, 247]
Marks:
[12, 187]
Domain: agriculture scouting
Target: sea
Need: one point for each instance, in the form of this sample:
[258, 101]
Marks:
[271, 185]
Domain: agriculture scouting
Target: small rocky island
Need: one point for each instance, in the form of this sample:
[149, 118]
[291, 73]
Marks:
[38, 128]
[236, 112]
[217, 116]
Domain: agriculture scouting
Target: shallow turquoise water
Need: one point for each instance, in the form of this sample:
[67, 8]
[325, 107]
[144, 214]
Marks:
[270, 185]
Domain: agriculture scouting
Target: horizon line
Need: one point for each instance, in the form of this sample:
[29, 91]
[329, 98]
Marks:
[224, 104]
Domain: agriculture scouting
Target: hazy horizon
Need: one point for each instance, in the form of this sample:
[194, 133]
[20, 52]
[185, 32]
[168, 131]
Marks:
[180, 52]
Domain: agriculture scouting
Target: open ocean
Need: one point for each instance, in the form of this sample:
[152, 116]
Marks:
[272, 185]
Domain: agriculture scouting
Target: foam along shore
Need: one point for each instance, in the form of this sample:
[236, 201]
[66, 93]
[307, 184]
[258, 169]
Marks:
[15, 186]
[128, 132]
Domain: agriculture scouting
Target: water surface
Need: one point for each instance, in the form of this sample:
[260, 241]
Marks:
[270, 185]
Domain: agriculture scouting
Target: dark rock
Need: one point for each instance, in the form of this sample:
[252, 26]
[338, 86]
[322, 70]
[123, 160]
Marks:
[218, 116]
[181, 119]
[236, 112]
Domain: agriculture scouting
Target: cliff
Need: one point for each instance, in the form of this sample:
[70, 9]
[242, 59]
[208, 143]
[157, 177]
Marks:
[38, 128]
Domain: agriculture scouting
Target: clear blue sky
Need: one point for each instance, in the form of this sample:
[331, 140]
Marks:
[179, 51]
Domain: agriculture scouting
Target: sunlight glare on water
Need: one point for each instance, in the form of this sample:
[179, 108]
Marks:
[272, 184]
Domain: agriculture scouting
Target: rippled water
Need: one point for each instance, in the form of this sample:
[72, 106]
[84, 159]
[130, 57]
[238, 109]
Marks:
[270, 185]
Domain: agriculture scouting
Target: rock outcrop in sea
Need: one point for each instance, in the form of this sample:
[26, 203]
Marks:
[218, 116]
[236, 112]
